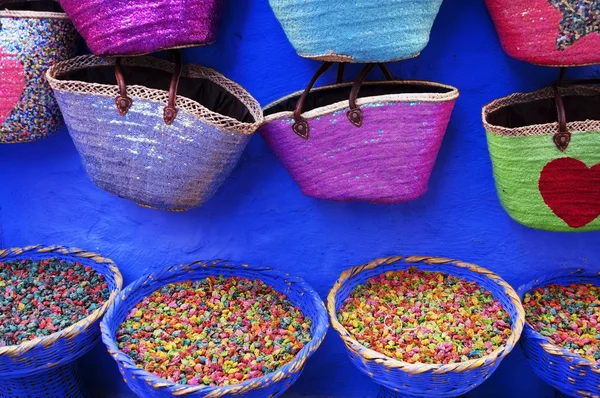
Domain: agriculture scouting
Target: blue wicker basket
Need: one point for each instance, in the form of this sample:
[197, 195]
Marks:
[569, 373]
[359, 31]
[44, 367]
[425, 380]
[274, 384]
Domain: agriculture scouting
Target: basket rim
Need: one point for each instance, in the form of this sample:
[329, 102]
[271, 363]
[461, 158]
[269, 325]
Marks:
[419, 368]
[539, 129]
[203, 114]
[76, 328]
[321, 325]
[549, 347]
[453, 94]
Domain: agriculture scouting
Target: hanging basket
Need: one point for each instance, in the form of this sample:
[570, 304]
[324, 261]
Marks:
[274, 384]
[45, 367]
[34, 35]
[380, 148]
[549, 32]
[547, 166]
[363, 31]
[135, 27]
[564, 370]
[425, 380]
[151, 132]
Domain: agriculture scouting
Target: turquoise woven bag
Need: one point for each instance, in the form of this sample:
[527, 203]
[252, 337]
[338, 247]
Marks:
[360, 31]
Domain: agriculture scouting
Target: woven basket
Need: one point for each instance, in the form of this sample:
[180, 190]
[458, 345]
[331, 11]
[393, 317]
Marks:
[158, 143]
[569, 373]
[135, 27]
[272, 385]
[425, 380]
[363, 31]
[549, 32]
[44, 367]
[547, 172]
[380, 148]
[34, 35]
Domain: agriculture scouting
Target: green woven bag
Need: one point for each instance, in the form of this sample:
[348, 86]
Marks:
[547, 172]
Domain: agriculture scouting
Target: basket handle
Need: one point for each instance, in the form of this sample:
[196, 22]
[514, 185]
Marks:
[562, 138]
[342, 67]
[124, 102]
[301, 126]
[355, 114]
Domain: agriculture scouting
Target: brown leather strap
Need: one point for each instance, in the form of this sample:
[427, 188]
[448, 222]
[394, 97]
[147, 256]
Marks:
[170, 112]
[340, 73]
[355, 114]
[563, 137]
[301, 126]
[384, 69]
[123, 101]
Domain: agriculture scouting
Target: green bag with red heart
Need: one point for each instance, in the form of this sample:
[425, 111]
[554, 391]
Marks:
[545, 150]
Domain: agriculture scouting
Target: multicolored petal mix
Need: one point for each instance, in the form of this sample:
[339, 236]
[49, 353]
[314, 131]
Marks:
[214, 331]
[417, 316]
[38, 298]
[568, 315]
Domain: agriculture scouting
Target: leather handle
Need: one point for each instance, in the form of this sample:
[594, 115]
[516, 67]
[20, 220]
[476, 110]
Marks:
[124, 102]
[355, 114]
[563, 137]
[384, 69]
[301, 127]
[170, 112]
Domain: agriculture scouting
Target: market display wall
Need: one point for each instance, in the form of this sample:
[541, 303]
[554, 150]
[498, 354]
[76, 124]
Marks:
[260, 216]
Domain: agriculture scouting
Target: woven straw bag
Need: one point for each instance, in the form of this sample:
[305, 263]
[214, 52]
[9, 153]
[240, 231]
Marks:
[45, 367]
[547, 166]
[425, 380]
[34, 35]
[569, 373]
[380, 148]
[363, 31]
[166, 149]
[135, 27]
[549, 32]
[274, 384]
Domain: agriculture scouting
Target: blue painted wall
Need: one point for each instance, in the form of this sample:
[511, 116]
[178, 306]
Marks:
[260, 216]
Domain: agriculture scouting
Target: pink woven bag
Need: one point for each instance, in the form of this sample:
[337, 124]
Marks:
[134, 27]
[549, 32]
[380, 148]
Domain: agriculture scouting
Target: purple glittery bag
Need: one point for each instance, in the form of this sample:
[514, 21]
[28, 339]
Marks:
[134, 27]
[380, 148]
[145, 137]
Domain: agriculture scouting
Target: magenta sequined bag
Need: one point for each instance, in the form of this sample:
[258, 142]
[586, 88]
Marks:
[134, 27]
[379, 146]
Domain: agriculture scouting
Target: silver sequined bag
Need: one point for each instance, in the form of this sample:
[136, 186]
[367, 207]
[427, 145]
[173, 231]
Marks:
[166, 149]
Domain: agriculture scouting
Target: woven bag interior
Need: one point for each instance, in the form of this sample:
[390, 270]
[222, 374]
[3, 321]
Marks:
[578, 108]
[330, 95]
[205, 92]
[41, 6]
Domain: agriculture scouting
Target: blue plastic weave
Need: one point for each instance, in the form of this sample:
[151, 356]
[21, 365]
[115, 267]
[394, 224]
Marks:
[146, 384]
[425, 380]
[46, 358]
[569, 373]
[58, 382]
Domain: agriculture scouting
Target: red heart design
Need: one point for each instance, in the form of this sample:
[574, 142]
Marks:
[12, 83]
[572, 191]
